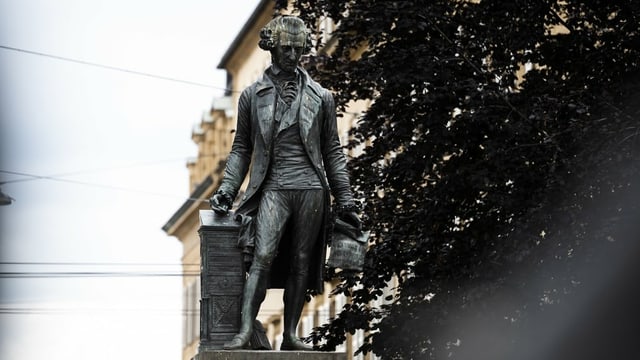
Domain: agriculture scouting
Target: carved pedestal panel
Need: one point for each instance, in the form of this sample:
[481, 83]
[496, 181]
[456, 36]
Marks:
[221, 280]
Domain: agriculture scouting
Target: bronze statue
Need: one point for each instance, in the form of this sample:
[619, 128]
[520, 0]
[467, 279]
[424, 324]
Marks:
[287, 131]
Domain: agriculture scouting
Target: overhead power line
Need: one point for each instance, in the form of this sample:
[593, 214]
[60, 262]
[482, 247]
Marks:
[111, 311]
[14, 310]
[30, 177]
[89, 274]
[93, 270]
[114, 68]
[103, 186]
[29, 263]
[19, 310]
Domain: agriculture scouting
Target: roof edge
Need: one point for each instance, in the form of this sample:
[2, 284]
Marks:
[197, 193]
[241, 35]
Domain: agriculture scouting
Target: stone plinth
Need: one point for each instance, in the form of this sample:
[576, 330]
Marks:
[269, 355]
[222, 279]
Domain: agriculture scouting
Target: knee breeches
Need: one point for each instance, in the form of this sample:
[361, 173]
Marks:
[302, 211]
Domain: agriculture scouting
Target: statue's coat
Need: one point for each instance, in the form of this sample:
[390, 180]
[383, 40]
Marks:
[253, 145]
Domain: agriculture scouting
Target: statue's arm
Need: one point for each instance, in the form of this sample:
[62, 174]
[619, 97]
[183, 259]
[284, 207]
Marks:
[240, 156]
[334, 159]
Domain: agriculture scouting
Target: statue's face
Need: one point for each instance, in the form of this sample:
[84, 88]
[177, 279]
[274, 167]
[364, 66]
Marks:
[288, 51]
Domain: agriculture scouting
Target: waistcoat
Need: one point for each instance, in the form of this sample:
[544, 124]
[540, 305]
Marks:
[290, 167]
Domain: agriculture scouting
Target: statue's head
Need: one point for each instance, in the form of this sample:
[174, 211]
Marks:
[287, 38]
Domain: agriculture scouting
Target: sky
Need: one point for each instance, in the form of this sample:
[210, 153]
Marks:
[95, 159]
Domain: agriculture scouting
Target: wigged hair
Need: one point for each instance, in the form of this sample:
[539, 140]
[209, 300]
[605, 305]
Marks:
[270, 33]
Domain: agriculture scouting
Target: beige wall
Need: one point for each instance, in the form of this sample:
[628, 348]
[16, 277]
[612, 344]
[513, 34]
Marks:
[248, 60]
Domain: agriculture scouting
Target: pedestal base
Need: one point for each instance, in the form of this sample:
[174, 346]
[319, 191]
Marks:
[269, 355]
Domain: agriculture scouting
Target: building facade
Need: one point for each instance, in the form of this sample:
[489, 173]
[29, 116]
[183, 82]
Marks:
[244, 62]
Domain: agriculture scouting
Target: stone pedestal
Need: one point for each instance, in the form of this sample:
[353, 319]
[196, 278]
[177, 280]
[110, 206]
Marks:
[221, 279]
[269, 355]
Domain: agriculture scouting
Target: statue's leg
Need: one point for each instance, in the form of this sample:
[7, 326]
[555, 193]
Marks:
[307, 223]
[294, 296]
[270, 223]
[254, 293]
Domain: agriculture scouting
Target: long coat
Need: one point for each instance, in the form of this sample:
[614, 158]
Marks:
[253, 146]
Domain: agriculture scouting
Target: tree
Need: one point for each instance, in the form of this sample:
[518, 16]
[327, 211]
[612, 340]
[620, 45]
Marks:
[498, 198]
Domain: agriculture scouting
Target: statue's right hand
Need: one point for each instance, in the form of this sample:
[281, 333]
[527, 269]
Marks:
[220, 203]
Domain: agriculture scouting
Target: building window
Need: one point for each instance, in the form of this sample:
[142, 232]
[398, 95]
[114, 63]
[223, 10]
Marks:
[306, 325]
[185, 316]
[358, 340]
[191, 320]
[339, 301]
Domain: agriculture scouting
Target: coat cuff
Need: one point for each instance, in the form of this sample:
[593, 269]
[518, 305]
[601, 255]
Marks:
[349, 206]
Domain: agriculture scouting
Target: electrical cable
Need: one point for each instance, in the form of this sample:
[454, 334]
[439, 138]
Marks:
[104, 186]
[28, 311]
[31, 177]
[86, 171]
[114, 68]
[89, 274]
[58, 310]
[194, 270]
[92, 311]
[90, 263]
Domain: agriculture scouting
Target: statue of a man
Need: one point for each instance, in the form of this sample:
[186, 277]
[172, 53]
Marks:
[287, 131]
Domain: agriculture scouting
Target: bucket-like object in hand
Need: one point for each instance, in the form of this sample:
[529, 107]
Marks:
[348, 247]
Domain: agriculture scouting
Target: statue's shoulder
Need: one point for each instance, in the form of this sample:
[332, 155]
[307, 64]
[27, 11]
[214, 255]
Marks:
[315, 87]
[251, 89]
[262, 84]
[246, 97]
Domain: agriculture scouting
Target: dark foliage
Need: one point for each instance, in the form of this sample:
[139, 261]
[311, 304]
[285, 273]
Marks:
[499, 203]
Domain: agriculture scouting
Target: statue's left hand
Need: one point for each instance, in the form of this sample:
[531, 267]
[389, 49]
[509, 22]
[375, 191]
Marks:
[220, 203]
[351, 218]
